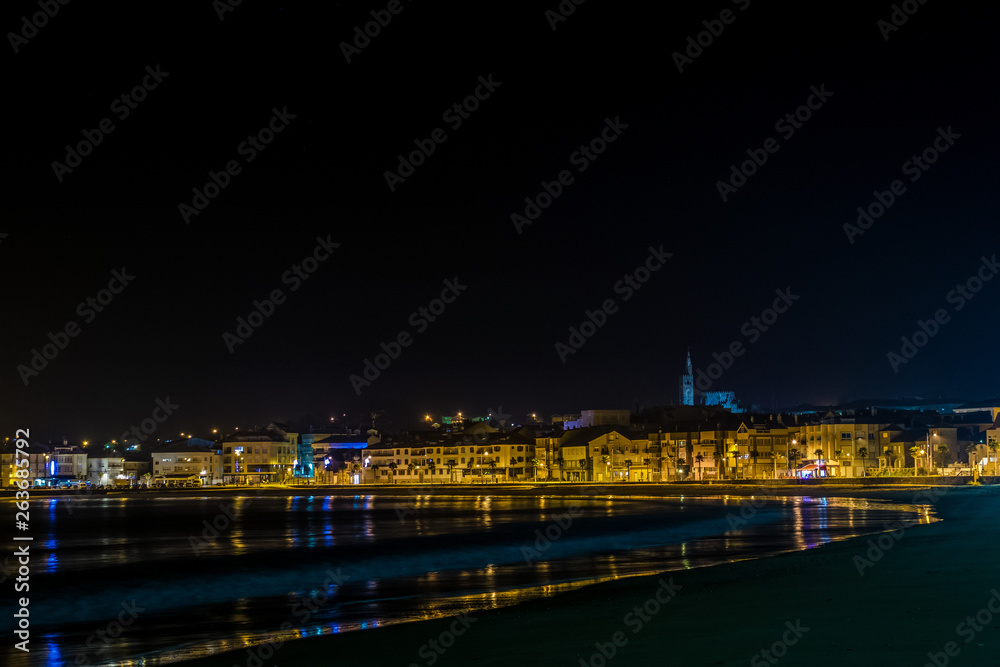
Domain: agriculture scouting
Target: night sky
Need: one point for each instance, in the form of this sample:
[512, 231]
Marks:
[551, 92]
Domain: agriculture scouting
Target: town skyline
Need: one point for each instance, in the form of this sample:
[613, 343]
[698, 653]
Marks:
[663, 445]
[417, 419]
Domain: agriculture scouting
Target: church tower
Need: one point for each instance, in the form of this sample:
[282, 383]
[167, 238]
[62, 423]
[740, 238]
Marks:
[687, 383]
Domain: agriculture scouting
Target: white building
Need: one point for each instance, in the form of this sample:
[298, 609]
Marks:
[105, 470]
[180, 461]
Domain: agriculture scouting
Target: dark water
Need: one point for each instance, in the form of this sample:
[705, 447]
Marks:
[131, 581]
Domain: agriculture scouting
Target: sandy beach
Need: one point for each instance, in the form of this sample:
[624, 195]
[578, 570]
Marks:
[875, 600]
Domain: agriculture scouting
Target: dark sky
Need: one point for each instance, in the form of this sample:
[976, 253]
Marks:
[656, 184]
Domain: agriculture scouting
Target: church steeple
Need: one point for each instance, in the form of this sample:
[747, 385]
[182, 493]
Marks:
[687, 382]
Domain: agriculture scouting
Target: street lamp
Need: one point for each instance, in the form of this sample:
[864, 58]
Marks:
[788, 453]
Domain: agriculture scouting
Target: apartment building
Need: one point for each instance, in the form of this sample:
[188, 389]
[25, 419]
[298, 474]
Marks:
[848, 444]
[763, 449]
[181, 461]
[259, 456]
[714, 452]
[599, 454]
[105, 470]
[70, 463]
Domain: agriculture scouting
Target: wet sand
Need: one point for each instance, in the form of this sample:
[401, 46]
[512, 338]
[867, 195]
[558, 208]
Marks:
[907, 600]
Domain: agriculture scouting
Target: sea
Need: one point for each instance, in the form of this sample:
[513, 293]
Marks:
[143, 580]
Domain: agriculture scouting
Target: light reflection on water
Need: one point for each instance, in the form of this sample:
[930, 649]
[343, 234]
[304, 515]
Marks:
[444, 555]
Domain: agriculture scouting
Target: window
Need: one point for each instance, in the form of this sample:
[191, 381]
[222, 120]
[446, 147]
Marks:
[463, 459]
[439, 451]
[845, 435]
[496, 449]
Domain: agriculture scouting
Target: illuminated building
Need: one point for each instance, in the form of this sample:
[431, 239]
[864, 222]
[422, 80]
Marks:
[183, 460]
[763, 447]
[723, 399]
[259, 456]
[70, 463]
[687, 382]
[104, 470]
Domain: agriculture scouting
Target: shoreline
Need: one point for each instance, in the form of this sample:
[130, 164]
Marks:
[724, 614]
[515, 489]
